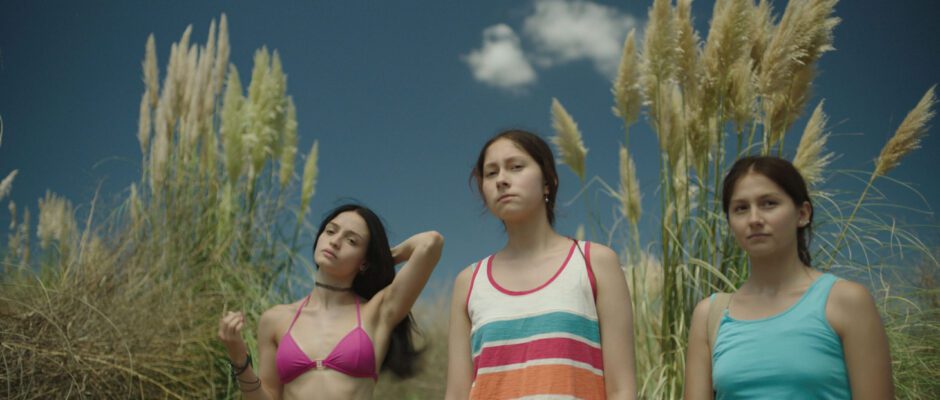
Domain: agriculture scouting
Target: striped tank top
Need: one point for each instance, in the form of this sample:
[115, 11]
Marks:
[540, 343]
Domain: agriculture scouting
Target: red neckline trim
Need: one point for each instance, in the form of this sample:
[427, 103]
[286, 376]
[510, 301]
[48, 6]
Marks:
[489, 275]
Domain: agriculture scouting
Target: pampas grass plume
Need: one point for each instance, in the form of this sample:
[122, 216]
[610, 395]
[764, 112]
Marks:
[809, 159]
[289, 149]
[7, 184]
[660, 51]
[56, 222]
[629, 188]
[689, 40]
[222, 55]
[151, 72]
[567, 139]
[728, 37]
[626, 89]
[144, 126]
[908, 135]
[310, 177]
[232, 126]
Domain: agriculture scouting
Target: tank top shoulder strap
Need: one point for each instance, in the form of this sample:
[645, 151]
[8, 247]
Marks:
[473, 279]
[297, 314]
[585, 251]
[819, 292]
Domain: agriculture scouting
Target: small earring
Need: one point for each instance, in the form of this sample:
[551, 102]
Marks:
[546, 199]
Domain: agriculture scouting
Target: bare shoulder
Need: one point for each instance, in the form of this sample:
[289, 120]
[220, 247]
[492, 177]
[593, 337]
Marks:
[462, 281]
[604, 260]
[277, 315]
[701, 309]
[848, 296]
[849, 303]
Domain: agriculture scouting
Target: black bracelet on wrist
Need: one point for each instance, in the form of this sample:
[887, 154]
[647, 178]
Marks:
[236, 370]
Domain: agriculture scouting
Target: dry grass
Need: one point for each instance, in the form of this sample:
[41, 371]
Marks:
[125, 304]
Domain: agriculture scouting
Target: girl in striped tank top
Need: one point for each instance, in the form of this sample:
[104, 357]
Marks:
[546, 316]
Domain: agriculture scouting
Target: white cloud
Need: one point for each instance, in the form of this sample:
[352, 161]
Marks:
[569, 30]
[501, 62]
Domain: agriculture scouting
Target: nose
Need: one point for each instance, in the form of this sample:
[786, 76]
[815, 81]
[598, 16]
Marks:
[334, 241]
[502, 179]
[754, 217]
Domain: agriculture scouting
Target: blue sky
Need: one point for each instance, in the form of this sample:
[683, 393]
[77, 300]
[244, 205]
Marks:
[401, 95]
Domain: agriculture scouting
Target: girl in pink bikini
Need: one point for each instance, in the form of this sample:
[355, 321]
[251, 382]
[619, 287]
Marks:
[355, 322]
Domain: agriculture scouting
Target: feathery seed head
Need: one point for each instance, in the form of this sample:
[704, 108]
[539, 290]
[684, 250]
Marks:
[6, 186]
[233, 126]
[908, 135]
[567, 139]
[629, 188]
[56, 222]
[221, 59]
[626, 90]
[144, 127]
[688, 40]
[809, 159]
[742, 92]
[728, 38]
[290, 144]
[660, 51]
[151, 72]
[310, 177]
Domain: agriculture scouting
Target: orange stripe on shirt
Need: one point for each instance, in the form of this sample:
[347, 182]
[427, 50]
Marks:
[539, 380]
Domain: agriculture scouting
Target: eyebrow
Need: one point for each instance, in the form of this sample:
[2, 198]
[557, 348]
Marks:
[346, 233]
[507, 159]
[761, 197]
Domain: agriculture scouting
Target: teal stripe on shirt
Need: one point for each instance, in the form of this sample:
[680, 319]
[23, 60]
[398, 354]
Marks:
[553, 322]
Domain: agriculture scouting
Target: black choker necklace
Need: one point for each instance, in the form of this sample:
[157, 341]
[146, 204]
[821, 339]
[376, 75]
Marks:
[331, 287]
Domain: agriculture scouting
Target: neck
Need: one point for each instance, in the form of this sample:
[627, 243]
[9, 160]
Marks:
[327, 297]
[533, 235]
[774, 273]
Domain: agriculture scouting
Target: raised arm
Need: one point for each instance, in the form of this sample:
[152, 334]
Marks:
[852, 313]
[420, 254]
[459, 364]
[615, 315]
[261, 385]
[698, 357]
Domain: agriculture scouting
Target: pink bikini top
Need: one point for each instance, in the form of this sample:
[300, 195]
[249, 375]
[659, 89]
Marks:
[354, 355]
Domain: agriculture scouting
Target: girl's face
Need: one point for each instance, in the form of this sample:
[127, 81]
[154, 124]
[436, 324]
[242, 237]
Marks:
[764, 218]
[341, 248]
[513, 185]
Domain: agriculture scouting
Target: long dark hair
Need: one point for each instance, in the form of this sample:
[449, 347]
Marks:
[536, 148]
[402, 354]
[785, 175]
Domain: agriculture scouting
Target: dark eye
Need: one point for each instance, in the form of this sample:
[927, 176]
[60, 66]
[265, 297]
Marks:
[352, 241]
[489, 173]
[739, 208]
[517, 167]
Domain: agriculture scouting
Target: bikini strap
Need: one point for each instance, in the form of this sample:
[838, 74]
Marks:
[358, 319]
[298, 312]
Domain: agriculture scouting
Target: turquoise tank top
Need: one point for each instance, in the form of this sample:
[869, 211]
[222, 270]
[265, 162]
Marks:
[792, 355]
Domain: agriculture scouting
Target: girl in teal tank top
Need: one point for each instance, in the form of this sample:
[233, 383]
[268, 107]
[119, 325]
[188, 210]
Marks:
[789, 331]
[766, 358]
